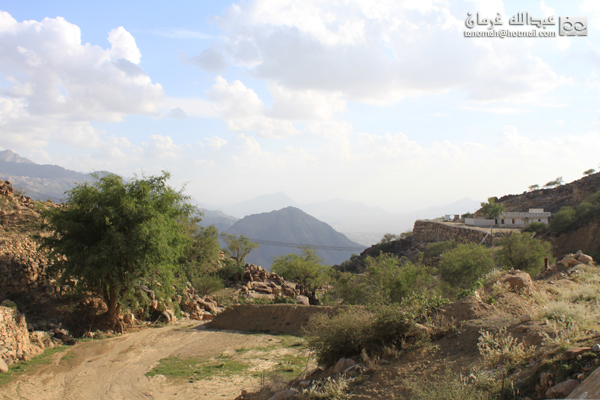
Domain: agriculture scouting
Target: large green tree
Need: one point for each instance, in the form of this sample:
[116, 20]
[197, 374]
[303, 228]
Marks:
[113, 233]
[523, 251]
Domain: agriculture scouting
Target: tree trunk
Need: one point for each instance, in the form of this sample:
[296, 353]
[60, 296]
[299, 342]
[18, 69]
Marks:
[114, 309]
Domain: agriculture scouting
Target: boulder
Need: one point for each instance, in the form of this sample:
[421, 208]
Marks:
[342, 365]
[562, 390]
[3, 366]
[573, 352]
[584, 258]
[303, 300]
[518, 281]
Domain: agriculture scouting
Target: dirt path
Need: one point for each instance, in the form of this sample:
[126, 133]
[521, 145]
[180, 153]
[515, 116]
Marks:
[115, 368]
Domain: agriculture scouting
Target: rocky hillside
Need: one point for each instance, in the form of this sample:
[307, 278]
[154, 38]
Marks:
[570, 194]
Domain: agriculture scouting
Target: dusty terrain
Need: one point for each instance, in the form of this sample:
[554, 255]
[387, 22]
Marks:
[115, 368]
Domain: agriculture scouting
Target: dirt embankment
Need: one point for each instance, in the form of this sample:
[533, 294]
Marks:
[275, 318]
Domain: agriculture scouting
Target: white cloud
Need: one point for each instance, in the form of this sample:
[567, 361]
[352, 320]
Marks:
[177, 113]
[243, 110]
[215, 142]
[57, 84]
[304, 104]
[378, 53]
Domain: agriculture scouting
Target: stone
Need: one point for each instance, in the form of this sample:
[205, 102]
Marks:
[596, 348]
[284, 394]
[584, 258]
[342, 365]
[525, 318]
[573, 352]
[562, 390]
[303, 300]
[3, 366]
[518, 280]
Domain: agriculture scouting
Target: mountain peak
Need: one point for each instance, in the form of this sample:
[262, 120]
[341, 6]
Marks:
[11, 156]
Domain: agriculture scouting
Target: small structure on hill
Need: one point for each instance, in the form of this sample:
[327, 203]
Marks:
[511, 219]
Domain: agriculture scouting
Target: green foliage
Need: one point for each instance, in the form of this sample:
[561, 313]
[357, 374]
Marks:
[206, 284]
[385, 281]
[535, 227]
[389, 237]
[557, 182]
[589, 171]
[563, 220]
[305, 268]
[238, 247]
[465, 264]
[434, 250]
[523, 251]
[568, 218]
[467, 215]
[491, 209]
[534, 187]
[112, 234]
[351, 330]
[202, 257]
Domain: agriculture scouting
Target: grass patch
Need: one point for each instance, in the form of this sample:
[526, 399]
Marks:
[17, 369]
[195, 369]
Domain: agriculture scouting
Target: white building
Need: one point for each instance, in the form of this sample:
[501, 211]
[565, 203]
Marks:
[512, 219]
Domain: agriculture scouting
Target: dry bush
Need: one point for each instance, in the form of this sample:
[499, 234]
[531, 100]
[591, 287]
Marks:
[328, 389]
[584, 292]
[448, 386]
[562, 338]
[499, 288]
[502, 348]
[493, 275]
[567, 314]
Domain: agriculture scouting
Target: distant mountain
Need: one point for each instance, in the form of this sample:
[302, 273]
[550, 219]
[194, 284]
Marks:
[219, 219]
[11, 156]
[260, 204]
[292, 225]
[41, 182]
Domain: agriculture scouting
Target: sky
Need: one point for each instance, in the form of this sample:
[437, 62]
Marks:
[387, 103]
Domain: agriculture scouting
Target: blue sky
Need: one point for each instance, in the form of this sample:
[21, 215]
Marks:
[386, 103]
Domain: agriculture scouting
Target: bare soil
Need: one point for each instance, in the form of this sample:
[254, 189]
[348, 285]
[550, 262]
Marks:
[115, 368]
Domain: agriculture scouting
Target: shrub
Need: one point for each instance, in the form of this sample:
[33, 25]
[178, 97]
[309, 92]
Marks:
[522, 251]
[448, 386]
[385, 281]
[491, 209]
[563, 220]
[535, 227]
[350, 331]
[305, 268]
[207, 284]
[465, 264]
[328, 389]
[503, 348]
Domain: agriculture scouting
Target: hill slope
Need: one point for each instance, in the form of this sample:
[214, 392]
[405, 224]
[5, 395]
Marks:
[291, 225]
[41, 182]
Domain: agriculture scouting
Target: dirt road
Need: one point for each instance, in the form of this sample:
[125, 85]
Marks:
[115, 368]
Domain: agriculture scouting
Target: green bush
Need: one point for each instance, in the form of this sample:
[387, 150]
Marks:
[535, 227]
[465, 264]
[350, 331]
[563, 220]
[305, 268]
[207, 284]
[385, 281]
[523, 251]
